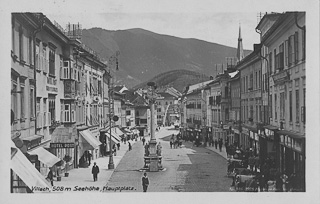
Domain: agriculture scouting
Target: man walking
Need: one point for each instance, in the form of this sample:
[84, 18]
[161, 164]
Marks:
[143, 141]
[145, 182]
[50, 176]
[95, 171]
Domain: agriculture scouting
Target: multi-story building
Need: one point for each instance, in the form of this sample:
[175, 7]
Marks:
[164, 101]
[251, 103]
[24, 134]
[284, 44]
[193, 111]
[234, 108]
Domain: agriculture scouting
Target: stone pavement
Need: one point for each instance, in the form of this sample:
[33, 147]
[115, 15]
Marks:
[191, 169]
[83, 178]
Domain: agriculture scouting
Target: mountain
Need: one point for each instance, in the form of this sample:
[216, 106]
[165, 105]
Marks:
[177, 79]
[144, 54]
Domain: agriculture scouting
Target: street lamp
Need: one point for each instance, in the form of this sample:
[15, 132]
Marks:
[111, 105]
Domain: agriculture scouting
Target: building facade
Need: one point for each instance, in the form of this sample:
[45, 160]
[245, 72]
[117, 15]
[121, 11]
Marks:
[285, 46]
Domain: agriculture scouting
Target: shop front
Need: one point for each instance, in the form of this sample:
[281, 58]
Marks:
[62, 145]
[292, 152]
[268, 144]
[236, 133]
[244, 138]
[254, 142]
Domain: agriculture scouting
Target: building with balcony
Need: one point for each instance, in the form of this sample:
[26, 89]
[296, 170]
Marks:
[285, 50]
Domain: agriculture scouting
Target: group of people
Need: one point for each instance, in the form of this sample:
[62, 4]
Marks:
[175, 141]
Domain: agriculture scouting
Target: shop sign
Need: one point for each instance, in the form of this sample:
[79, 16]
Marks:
[245, 131]
[62, 145]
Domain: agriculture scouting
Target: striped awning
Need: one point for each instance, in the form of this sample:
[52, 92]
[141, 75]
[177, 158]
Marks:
[45, 157]
[94, 143]
[27, 172]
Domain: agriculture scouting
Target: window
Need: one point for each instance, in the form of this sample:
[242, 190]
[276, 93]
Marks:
[65, 70]
[251, 82]
[52, 108]
[303, 109]
[259, 77]
[251, 112]
[30, 51]
[303, 43]
[37, 63]
[296, 47]
[21, 43]
[275, 60]
[270, 62]
[52, 62]
[270, 106]
[279, 58]
[13, 32]
[297, 107]
[32, 102]
[290, 106]
[44, 66]
[128, 112]
[67, 113]
[14, 100]
[256, 86]
[99, 87]
[275, 107]
[286, 52]
[282, 106]
[166, 102]
[22, 99]
[291, 54]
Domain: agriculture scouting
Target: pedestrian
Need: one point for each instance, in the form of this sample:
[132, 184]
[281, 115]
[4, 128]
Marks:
[216, 143]
[145, 182]
[118, 146]
[159, 147]
[89, 155]
[143, 141]
[171, 142]
[130, 147]
[50, 176]
[146, 150]
[95, 171]
[220, 144]
[284, 178]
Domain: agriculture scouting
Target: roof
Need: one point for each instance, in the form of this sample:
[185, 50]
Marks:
[198, 86]
[166, 95]
[268, 16]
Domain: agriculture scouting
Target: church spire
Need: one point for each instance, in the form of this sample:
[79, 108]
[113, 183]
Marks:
[240, 54]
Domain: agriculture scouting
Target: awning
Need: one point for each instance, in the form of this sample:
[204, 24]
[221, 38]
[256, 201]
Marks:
[90, 138]
[117, 131]
[27, 172]
[113, 138]
[45, 157]
[271, 127]
[294, 135]
[32, 137]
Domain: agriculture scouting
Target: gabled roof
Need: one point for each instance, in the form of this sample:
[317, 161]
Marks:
[197, 86]
[166, 95]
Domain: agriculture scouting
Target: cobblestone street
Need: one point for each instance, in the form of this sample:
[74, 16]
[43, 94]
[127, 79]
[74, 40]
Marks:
[187, 169]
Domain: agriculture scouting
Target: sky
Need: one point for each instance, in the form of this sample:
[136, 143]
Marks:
[221, 28]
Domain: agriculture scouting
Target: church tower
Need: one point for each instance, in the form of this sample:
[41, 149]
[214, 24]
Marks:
[240, 54]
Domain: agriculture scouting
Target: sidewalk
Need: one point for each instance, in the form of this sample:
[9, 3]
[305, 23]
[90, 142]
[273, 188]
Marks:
[223, 153]
[83, 178]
